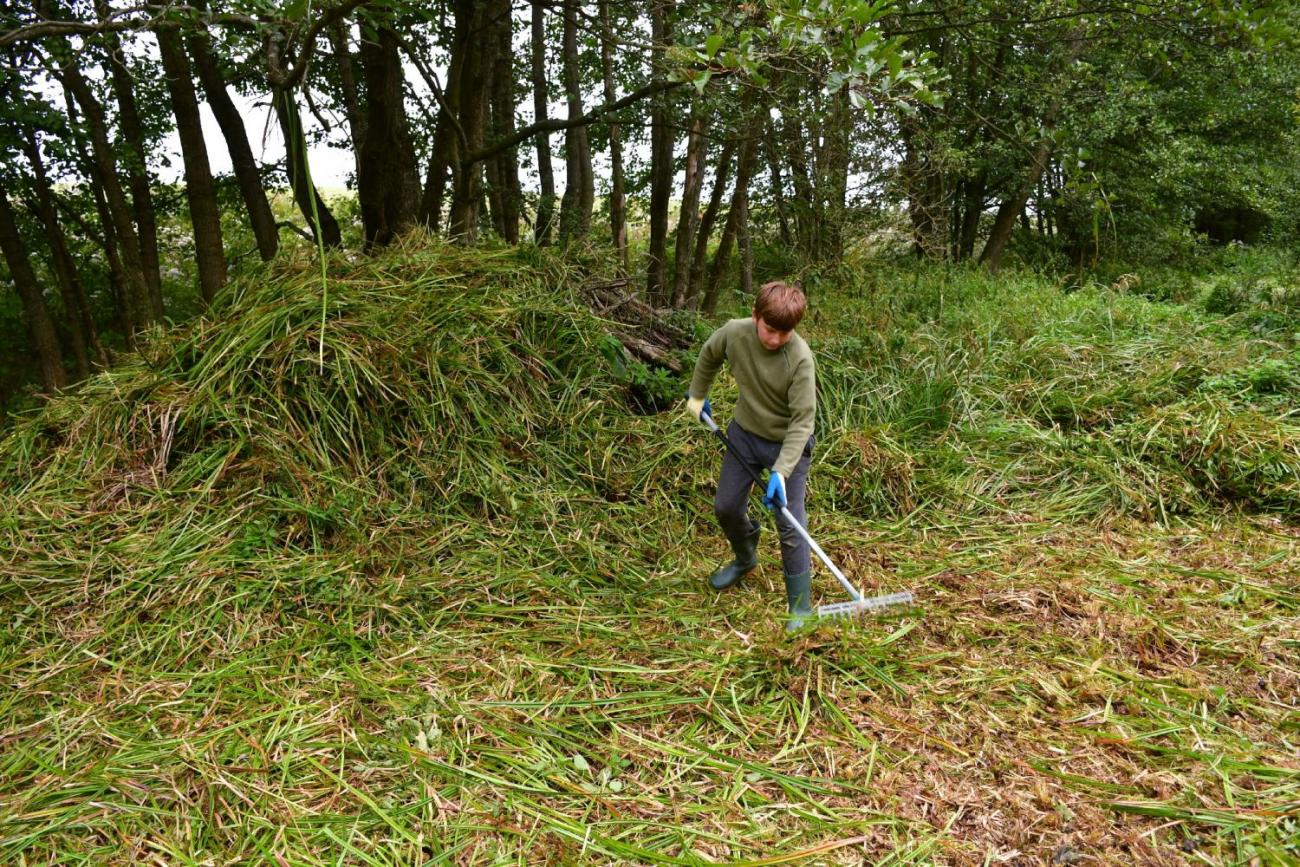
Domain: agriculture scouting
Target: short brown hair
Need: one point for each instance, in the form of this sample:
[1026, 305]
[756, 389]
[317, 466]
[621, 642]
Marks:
[780, 305]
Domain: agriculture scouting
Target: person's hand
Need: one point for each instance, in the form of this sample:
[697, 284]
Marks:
[697, 407]
[775, 496]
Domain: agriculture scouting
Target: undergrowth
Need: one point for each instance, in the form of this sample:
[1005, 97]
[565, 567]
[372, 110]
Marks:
[420, 586]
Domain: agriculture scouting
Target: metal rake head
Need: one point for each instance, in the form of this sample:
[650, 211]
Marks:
[861, 606]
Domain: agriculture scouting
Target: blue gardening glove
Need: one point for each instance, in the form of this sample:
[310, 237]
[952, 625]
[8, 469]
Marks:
[775, 496]
[698, 407]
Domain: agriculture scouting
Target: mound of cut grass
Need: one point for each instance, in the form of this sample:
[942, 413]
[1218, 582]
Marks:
[1009, 395]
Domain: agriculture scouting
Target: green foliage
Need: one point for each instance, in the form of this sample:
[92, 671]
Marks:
[1225, 298]
[760, 40]
[653, 389]
[648, 389]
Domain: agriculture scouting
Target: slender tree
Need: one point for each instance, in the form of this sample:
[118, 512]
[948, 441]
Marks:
[448, 137]
[778, 184]
[1013, 204]
[736, 215]
[618, 192]
[504, 168]
[105, 237]
[699, 257]
[81, 326]
[138, 304]
[579, 182]
[661, 160]
[200, 191]
[833, 158]
[807, 236]
[345, 65]
[541, 99]
[689, 215]
[40, 325]
[133, 159]
[388, 184]
[247, 174]
[473, 58]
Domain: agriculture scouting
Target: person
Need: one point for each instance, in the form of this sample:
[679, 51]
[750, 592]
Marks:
[772, 429]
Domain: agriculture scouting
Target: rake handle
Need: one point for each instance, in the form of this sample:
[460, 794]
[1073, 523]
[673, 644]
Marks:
[790, 519]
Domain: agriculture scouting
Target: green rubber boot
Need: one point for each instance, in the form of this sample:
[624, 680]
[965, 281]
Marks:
[798, 595]
[746, 552]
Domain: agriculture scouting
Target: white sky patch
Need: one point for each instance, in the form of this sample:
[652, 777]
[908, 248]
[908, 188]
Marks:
[330, 166]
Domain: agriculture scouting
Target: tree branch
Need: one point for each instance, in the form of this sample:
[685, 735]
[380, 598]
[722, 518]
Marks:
[150, 17]
[287, 79]
[118, 22]
[557, 124]
[431, 82]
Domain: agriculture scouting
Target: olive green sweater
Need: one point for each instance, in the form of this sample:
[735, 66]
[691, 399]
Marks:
[778, 390]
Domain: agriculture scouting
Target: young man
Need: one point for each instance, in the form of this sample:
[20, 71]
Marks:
[772, 428]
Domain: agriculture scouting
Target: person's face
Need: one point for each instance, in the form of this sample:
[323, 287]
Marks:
[771, 338]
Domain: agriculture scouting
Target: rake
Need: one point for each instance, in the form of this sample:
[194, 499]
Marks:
[858, 604]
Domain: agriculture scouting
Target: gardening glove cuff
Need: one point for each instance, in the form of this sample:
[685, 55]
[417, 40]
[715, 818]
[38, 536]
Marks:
[696, 407]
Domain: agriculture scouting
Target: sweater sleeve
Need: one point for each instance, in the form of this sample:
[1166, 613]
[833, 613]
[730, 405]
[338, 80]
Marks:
[802, 398]
[709, 362]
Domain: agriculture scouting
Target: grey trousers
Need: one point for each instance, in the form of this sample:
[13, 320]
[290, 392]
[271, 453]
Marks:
[731, 503]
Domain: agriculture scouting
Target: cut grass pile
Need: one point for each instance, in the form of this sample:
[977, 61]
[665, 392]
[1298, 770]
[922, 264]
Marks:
[425, 590]
[967, 393]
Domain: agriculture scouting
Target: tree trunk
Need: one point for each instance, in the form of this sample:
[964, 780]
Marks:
[545, 171]
[448, 138]
[972, 211]
[700, 255]
[39, 324]
[80, 323]
[106, 239]
[475, 61]
[1011, 209]
[689, 216]
[923, 181]
[128, 119]
[435, 191]
[617, 195]
[807, 235]
[138, 304]
[509, 194]
[1014, 204]
[494, 187]
[247, 174]
[388, 183]
[1039, 204]
[200, 190]
[835, 176]
[314, 210]
[338, 36]
[735, 216]
[579, 182]
[661, 160]
[745, 242]
[778, 185]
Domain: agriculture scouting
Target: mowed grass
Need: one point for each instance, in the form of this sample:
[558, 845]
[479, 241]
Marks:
[438, 598]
